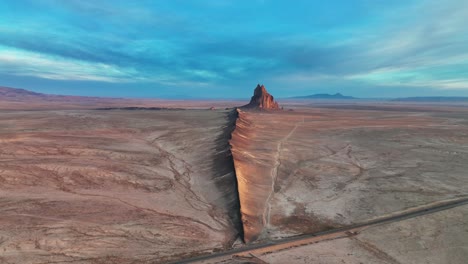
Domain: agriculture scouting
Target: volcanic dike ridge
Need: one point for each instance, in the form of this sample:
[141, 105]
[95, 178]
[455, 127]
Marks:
[253, 180]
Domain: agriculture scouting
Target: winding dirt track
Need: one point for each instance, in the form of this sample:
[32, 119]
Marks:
[274, 173]
[348, 231]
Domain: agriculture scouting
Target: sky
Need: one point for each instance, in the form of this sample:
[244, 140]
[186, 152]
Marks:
[223, 48]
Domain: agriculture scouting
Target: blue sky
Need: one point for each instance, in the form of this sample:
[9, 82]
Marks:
[223, 48]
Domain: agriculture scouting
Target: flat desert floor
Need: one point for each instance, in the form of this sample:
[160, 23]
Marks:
[141, 186]
[439, 237]
[87, 186]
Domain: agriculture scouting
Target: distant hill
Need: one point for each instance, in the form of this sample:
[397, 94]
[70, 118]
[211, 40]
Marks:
[21, 99]
[17, 94]
[432, 99]
[323, 96]
[15, 98]
[12, 93]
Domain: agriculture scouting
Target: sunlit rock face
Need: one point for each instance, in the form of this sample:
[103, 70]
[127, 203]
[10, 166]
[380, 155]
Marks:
[252, 190]
[311, 170]
[255, 170]
[262, 99]
[255, 176]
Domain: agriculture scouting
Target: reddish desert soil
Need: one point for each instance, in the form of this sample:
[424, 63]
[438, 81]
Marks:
[152, 186]
[115, 186]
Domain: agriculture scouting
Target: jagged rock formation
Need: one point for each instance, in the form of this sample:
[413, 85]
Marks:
[252, 190]
[262, 99]
[255, 170]
[312, 170]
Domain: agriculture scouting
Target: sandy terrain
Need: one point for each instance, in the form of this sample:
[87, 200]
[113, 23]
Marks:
[152, 186]
[428, 234]
[439, 238]
[311, 170]
[115, 186]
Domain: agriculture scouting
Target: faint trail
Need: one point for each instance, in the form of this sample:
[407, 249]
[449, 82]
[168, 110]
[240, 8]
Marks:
[53, 218]
[289, 179]
[375, 251]
[181, 177]
[251, 258]
[274, 173]
[170, 216]
[182, 171]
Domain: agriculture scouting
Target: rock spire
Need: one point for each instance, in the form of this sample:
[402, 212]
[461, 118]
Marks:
[262, 100]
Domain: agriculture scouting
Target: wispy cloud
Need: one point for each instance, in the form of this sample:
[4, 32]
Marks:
[25, 63]
[308, 46]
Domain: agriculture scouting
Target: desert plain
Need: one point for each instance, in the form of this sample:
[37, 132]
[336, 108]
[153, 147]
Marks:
[120, 185]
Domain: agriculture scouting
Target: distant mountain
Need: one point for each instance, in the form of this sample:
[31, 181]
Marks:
[22, 95]
[432, 99]
[12, 93]
[323, 96]
[21, 99]
[14, 98]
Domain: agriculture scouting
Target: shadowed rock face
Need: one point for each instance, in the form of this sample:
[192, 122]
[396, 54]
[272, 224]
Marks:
[262, 99]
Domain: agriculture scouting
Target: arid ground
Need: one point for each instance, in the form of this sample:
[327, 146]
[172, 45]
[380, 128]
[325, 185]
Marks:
[115, 186]
[312, 169]
[154, 186]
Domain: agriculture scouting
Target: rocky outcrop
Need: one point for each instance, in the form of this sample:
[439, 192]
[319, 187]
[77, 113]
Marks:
[254, 172]
[252, 185]
[262, 100]
[252, 190]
